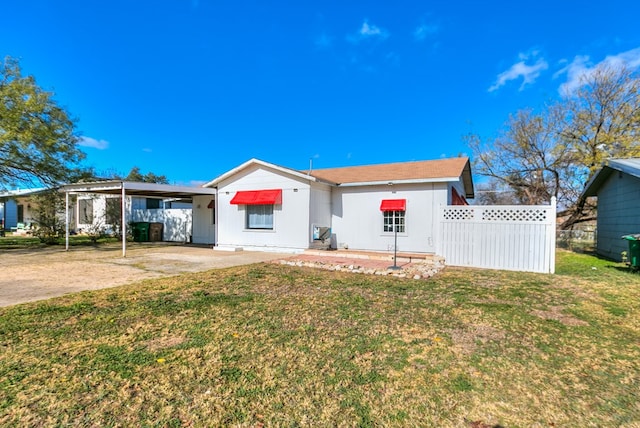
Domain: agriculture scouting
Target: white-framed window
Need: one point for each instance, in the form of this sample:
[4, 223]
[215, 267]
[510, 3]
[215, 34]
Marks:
[260, 217]
[85, 211]
[391, 218]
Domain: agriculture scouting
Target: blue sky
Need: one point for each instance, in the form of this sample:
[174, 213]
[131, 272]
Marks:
[193, 88]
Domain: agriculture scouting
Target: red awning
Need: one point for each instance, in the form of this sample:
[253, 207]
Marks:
[393, 205]
[457, 199]
[257, 197]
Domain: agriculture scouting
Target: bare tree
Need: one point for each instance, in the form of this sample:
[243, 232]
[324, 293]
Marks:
[525, 157]
[555, 152]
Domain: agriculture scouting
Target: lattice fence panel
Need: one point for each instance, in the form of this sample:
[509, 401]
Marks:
[515, 214]
[457, 213]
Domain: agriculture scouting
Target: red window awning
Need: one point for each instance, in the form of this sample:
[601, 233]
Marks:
[257, 197]
[457, 198]
[393, 205]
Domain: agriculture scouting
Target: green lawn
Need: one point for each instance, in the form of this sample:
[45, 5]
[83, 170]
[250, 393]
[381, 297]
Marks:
[13, 241]
[272, 345]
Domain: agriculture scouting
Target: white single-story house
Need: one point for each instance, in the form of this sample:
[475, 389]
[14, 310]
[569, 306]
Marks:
[617, 186]
[262, 206]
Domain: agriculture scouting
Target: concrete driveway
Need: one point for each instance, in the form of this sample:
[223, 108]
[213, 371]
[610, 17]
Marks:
[37, 274]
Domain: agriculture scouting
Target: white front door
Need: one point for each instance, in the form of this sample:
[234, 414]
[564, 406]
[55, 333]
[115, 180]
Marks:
[204, 226]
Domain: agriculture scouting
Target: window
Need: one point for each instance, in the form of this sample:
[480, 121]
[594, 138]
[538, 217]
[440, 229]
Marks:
[153, 204]
[114, 211]
[85, 211]
[20, 209]
[260, 217]
[391, 218]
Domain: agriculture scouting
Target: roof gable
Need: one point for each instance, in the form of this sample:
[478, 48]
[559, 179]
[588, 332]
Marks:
[258, 162]
[629, 166]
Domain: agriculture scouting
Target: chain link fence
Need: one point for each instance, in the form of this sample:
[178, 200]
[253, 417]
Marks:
[577, 239]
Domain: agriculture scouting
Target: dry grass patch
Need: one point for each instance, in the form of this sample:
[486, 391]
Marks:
[284, 346]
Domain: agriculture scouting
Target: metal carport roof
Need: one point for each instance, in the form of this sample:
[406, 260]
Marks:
[130, 188]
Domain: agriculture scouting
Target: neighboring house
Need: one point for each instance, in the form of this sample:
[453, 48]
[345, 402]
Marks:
[262, 206]
[104, 212]
[185, 212]
[17, 206]
[617, 186]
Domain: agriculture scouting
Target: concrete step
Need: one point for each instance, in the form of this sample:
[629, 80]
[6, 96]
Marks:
[372, 255]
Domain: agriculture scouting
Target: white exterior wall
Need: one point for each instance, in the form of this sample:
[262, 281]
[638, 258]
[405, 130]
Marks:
[99, 211]
[319, 207]
[291, 225]
[176, 222]
[204, 227]
[357, 221]
[618, 214]
[99, 208]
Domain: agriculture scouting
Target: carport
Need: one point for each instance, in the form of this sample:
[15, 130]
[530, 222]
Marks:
[129, 188]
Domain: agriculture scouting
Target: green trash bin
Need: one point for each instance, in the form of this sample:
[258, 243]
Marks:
[140, 231]
[634, 250]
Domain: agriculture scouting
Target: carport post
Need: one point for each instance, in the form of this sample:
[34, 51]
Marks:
[124, 222]
[66, 221]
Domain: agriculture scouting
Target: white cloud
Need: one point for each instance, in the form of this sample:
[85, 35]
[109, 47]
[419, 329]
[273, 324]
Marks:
[424, 30]
[575, 71]
[92, 142]
[368, 32]
[528, 73]
[581, 68]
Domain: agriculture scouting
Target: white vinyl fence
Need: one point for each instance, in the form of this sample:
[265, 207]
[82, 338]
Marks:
[177, 222]
[509, 237]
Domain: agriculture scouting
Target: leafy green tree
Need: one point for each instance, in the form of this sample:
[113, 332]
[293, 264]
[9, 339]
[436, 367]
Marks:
[602, 118]
[38, 142]
[150, 177]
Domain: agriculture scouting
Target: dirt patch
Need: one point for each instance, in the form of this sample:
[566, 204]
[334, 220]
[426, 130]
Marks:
[467, 339]
[36, 274]
[555, 313]
[165, 342]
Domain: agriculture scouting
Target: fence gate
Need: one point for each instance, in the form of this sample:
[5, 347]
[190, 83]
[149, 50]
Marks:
[509, 237]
